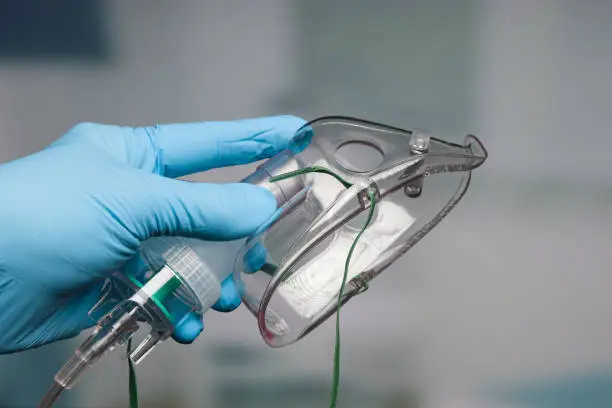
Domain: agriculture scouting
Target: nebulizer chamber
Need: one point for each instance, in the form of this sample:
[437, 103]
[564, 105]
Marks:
[289, 272]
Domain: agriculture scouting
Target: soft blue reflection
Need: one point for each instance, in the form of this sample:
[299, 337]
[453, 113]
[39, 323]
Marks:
[592, 390]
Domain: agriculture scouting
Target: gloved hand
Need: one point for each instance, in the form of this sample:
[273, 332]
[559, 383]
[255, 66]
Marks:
[77, 211]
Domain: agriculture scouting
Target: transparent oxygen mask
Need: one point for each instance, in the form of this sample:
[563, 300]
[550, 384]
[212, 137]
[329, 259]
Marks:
[290, 271]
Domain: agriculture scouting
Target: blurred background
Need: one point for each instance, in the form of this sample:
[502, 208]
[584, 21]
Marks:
[507, 302]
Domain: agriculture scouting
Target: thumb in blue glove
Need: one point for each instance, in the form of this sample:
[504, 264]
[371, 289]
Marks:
[77, 211]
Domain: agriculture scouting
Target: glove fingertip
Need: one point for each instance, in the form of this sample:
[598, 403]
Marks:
[255, 258]
[188, 329]
[229, 299]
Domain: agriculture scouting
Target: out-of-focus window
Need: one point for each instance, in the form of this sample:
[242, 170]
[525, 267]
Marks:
[40, 29]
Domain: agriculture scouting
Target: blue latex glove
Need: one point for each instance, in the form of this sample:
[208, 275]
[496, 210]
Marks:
[77, 211]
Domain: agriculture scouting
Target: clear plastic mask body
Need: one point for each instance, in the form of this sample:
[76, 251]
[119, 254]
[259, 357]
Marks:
[289, 272]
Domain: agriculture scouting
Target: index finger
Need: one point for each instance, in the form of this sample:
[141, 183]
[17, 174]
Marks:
[189, 148]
